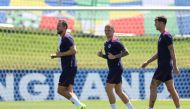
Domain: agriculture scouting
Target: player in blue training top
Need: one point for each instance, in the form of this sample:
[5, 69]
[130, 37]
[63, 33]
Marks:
[114, 51]
[68, 63]
[166, 60]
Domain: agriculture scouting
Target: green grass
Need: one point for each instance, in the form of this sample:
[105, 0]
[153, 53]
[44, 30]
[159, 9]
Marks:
[32, 51]
[91, 104]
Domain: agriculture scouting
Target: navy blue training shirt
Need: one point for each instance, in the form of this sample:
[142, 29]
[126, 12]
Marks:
[114, 47]
[164, 57]
[67, 61]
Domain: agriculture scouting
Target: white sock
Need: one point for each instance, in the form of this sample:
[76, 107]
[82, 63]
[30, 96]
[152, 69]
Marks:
[150, 108]
[178, 108]
[113, 106]
[75, 101]
[75, 96]
[129, 105]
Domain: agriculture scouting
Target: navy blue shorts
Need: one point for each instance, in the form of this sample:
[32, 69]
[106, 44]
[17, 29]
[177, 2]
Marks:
[67, 77]
[115, 76]
[163, 74]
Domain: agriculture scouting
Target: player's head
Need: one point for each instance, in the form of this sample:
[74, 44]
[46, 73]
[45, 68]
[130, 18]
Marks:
[109, 31]
[160, 22]
[62, 27]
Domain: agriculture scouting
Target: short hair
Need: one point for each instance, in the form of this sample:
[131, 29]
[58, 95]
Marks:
[63, 23]
[161, 19]
[109, 26]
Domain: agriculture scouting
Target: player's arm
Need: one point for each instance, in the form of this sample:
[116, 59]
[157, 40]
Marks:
[172, 53]
[153, 58]
[122, 49]
[72, 50]
[120, 55]
[100, 54]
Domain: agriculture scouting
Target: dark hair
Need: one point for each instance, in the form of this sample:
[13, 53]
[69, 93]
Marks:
[63, 23]
[161, 19]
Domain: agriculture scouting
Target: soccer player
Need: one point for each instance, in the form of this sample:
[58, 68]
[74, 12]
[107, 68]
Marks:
[69, 66]
[166, 60]
[114, 51]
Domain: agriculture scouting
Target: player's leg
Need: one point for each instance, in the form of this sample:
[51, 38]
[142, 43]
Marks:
[153, 92]
[123, 96]
[67, 93]
[63, 90]
[63, 85]
[74, 99]
[70, 89]
[171, 89]
[110, 94]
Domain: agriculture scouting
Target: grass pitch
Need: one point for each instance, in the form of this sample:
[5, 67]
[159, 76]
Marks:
[91, 104]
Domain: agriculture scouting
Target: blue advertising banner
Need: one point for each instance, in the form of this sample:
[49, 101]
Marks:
[30, 85]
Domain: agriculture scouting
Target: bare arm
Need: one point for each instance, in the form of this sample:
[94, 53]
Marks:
[72, 50]
[172, 53]
[153, 58]
[120, 55]
[100, 54]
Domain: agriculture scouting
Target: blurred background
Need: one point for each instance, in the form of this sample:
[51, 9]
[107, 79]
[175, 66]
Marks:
[28, 37]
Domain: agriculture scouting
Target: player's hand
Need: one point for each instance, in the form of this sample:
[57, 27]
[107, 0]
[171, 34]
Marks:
[144, 64]
[100, 54]
[176, 70]
[53, 56]
[111, 56]
[59, 54]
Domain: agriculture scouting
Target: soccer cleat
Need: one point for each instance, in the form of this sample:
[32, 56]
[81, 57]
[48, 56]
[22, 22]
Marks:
[83, 106]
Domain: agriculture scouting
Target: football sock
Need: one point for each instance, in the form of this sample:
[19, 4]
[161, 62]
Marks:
[75, 101]
[129, 105]
[113, 106]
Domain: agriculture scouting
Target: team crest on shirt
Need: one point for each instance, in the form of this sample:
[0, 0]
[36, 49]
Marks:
[109, 45]
[159, 39]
